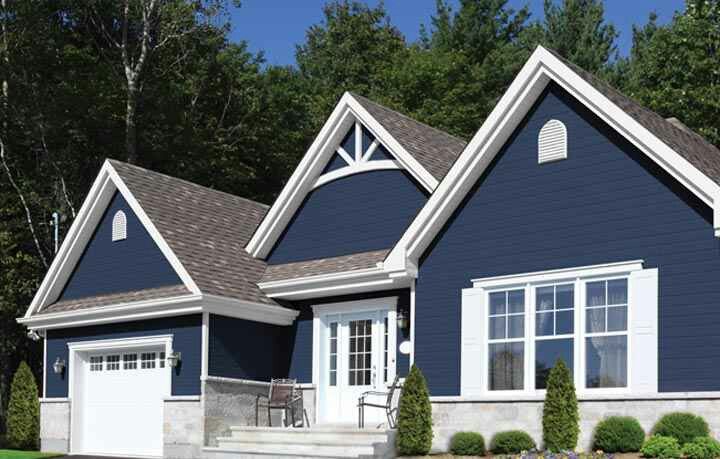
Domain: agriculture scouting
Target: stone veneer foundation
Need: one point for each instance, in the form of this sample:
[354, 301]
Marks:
[55, 425]
[489, 417]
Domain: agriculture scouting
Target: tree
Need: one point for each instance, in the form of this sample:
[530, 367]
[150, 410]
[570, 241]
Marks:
[23, 420]
[561, 417]
[414, 436]
[675, 69]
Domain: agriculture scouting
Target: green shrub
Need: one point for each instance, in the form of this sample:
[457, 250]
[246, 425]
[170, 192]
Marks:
[511, 442]
[702, 448]
[414, 432]
[23, 414]
[618, 434]
[684, 427]
[467, 444]
[661, 447]
[560, 412]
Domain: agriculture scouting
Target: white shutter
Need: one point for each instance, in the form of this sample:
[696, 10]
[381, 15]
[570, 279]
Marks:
[643, 349]
[552, 142]
[471, 343]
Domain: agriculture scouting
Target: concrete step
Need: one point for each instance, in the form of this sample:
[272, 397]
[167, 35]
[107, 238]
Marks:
[324, 435]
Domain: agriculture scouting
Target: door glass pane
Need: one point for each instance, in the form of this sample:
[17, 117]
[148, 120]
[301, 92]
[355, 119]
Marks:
[385, 349]
[333, 354]
[506, 366]
[606, 361]
[359, 367]
[547, 352]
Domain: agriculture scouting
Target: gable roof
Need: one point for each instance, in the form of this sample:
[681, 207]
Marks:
[207, 229]
[691, 160]
[436, 150]
[318, 267]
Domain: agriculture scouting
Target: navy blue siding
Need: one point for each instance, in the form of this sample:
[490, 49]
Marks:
[135, 263]
[335, 163]
[302, 332]
[607, 202]
[244, 349]
[187, 339]
[358, 213]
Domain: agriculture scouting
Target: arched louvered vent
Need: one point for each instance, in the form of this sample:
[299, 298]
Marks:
[552, 142]
[119, 226]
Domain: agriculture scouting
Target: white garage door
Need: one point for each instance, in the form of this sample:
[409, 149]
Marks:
[121, 396]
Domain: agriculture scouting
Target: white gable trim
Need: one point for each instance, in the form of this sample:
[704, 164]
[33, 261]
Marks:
[538, 71]
[347, 112]
[82, 229]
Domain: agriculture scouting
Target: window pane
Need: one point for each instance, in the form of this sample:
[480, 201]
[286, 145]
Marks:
[606, 361]
[617, 291]
[544, 325]
[497, 303]
[545, 298]
[516, 301]
[596, 293]
[564, 322]
[547, 352]
[564, 296]
[497, 327]
[516, 326]
[506, 366]
[595, 320]
[617, 318]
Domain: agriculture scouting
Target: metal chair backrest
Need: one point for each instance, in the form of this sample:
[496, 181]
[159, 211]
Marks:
[281, 390]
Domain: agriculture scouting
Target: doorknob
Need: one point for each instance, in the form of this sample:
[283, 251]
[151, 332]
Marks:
[374, 375]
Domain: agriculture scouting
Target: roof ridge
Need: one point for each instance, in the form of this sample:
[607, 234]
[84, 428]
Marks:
[356, 95]
[188, 182]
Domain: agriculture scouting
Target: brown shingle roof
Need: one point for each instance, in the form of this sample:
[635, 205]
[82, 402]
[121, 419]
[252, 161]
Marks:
[693, 147]
[308, 268]
[434, 149]
[115, 298]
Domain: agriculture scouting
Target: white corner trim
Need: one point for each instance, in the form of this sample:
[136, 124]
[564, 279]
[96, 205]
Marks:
[553, 275]
[345, 114]
[541, 68]
[81, 231]
[205, 355]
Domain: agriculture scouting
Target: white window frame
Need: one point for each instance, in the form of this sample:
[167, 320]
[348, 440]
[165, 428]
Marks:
[523, 339]
[475, 381]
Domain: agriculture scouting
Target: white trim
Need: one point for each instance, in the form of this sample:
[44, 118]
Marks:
[356, 168]
[182, 398]
[223, 379]
[347, 112]
[165, 307]
[412, 322]
[82, 229]
[541, 68]
[205, 344]
[54, 399]
[44, 394]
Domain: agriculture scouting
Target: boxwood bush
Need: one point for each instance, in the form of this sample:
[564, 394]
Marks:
[618, 434]
[414, 432]
[511, 442]
[661, 447]
[467, 444]
[684, 427]
[702, 448]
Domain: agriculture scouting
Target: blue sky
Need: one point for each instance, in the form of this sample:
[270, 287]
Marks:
[276, 26]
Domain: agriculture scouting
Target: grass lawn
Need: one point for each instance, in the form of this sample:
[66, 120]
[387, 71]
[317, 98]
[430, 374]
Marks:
[13, 454]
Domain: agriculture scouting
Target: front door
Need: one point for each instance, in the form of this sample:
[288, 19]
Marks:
[357, 357]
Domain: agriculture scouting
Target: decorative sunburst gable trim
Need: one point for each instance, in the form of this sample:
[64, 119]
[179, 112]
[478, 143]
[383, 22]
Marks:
[348, 113]
[103, 189]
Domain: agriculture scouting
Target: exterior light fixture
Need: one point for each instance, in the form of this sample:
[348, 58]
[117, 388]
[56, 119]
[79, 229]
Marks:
[174, 359]
[33, 335]
[58, 366]
[402, 320]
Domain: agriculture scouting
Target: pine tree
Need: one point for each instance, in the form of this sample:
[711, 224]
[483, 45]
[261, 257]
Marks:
[23, 418]
[561, 417]
[414, 437]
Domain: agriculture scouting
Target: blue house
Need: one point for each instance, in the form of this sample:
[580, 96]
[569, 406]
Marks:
[574, 225]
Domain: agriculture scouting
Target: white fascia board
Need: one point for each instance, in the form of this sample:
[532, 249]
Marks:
[81, 231]
[541, 68]
[305, 176]
[165, 307]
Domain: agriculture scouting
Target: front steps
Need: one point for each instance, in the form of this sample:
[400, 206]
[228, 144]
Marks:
[300, 443]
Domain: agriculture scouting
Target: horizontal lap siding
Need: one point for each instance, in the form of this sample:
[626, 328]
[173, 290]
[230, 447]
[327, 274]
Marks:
[187, 339]
[359, 213]
[607, 202]
[108, 266]
[244, 349]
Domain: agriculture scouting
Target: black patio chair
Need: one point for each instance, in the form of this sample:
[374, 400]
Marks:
[390, 411]
[283, 395]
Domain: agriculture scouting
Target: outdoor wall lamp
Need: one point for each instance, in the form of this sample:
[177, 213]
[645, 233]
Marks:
[58, 366]
[174, 359]
[402, 320]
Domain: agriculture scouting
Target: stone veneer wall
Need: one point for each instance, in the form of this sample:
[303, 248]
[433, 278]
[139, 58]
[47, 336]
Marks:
[490, 417]
[231, 402]
[182, 428]
[55, 425]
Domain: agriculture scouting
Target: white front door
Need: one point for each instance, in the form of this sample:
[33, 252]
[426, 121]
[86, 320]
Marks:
[358, 355]
[120, 394]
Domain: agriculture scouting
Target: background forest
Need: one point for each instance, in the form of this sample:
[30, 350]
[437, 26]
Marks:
[158, 83]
